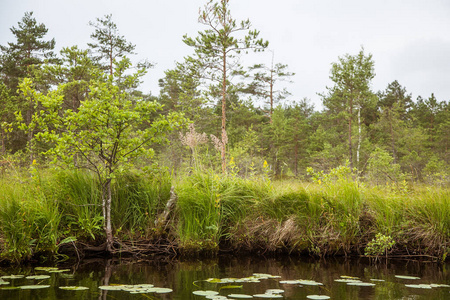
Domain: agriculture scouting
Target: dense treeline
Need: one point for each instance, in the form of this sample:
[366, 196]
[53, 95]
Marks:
[386, 136]
[82, 109]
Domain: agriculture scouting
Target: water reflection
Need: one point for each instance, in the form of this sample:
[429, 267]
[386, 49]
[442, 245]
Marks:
[185, 276]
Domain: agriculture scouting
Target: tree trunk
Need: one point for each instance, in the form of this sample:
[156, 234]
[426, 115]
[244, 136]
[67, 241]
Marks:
[350, 150]
[106, 205]
[359, 138]
[224, 118]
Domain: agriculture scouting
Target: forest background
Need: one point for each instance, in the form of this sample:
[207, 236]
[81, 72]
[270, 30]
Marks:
[82, 108]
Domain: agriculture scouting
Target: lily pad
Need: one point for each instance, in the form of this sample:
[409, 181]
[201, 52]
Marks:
[111, 287]
[347, 280]
[46, 269]
[419, 286]
[144, 286]
[318, 297]
[349, 277]
[2, 282]
[34, 287]
[74, 288]
[380, 280]
[309, 282]
[406, 277]
[38, 277]
[440, 285]
[269, 296]
[290, 281]
[13, 276]
[262, 275]
[205, 293]
[240, 296]
[163, 290]
[59, 271]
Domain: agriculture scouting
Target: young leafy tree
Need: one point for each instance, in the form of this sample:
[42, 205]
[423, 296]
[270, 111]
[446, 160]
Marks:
[109, 129]
[216, 50]
[352, 77]
[109, 44]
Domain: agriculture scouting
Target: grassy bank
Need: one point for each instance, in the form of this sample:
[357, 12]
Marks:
[43, 210]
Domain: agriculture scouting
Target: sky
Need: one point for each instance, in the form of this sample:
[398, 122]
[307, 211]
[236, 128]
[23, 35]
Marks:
[408, 39]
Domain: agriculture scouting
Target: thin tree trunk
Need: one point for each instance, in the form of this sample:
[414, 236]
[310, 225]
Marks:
[350, 150]
[224, 98]
[359, 137]
[106, 205]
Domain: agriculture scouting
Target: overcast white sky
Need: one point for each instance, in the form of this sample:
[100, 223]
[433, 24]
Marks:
[409, 39]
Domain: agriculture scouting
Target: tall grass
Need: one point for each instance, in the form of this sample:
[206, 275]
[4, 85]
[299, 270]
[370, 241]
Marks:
[331, 217]
[29, 219]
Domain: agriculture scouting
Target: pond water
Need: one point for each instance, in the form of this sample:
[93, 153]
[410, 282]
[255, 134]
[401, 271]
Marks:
[250, 276]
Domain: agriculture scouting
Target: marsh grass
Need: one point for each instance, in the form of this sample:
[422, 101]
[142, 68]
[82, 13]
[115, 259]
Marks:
[338, 217]
[29, 219]
[429, 220]
[213, 212]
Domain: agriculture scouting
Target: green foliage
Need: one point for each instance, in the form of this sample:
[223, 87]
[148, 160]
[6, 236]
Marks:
[381, 168]
[380, 245]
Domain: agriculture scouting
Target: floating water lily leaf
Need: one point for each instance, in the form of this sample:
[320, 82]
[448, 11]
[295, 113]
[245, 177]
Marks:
[361, 283]
[318, 297]
[406, 277]
[309, 282]
[380, 280]
[290, 281]
[214, 280]
[74, 288]
[254, 280]
[349, 277]
[439, 285]
[144, 286]
[419, 286]
[162, 290]
[271, 296]
[227, 287]
[13, 276]
[33, 287]
[2, 282]
[59, 271]
[240, 296]
[46, 269]
[111, 287]
[205, 293]
[347, 280]
[38, 277]
[262, 275]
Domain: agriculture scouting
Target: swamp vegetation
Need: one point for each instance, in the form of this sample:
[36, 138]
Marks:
[56, 213]
[220, 161]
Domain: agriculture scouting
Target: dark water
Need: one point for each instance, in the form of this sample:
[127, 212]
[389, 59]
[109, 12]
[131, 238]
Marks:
[184, 277]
